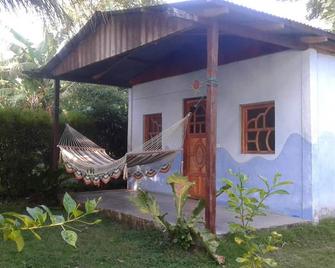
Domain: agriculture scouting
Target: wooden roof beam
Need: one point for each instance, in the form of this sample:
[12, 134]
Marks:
[197, 15]
[324, 48]
[247, 32]
[212, 12]
[266, 26]
[314, 39]
[181, 14]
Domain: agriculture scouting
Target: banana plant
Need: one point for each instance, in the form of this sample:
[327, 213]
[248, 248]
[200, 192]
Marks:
[16, 87]
[13, 224]
[188, 231]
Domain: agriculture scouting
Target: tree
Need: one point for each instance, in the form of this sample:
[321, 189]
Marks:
[100, 113]
[51, 9]
[16, 87]
[322, 9]
[67, 17]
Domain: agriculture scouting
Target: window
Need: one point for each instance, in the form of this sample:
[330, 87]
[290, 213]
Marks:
[152, 127]
[258, 128]
[197, 123]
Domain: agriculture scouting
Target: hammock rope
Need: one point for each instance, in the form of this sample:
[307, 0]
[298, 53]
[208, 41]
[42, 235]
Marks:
[90, 162]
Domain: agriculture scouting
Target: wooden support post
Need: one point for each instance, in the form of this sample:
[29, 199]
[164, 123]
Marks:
[55, 126]
[211, 107]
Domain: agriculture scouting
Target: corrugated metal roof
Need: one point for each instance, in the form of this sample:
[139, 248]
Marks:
[290, 19]
[237, 14]
[268, 15]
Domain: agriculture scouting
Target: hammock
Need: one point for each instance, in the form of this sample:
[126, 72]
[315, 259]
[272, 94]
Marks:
[90, 163]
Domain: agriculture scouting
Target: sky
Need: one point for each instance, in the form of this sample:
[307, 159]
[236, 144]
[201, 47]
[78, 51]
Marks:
[30, 25]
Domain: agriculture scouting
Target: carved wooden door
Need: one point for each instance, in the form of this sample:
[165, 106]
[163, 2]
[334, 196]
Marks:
[195, 147]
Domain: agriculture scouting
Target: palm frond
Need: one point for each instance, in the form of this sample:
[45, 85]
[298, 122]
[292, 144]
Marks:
[50, 9]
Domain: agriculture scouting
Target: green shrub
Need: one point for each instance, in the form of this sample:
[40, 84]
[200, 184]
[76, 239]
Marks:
[100, 113]
[25, 139]
[103, 128]
[248, 203]
[25, 148]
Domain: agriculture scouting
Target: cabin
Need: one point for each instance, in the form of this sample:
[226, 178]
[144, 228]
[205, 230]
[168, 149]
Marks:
[263, 85]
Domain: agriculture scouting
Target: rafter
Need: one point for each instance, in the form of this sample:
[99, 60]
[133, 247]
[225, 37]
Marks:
[266, 26]
[212, 12]
[314, 39]
[181, 14]
[247, 32]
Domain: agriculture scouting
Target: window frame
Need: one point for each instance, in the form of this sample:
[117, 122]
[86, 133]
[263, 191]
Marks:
[146, 118]
[244, 108]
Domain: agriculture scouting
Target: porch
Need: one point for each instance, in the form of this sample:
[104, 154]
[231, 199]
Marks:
[116, 204]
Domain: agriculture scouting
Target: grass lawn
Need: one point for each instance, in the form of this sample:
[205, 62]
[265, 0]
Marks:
[110, 244]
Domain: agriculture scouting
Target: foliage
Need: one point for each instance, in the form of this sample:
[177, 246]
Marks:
[105, 108]
[248, 203]
[322, 9]
[13, 224]
[80, 11]
[25, 149]
[25, 138]
[50, 9]
[65, 18]
[17, 89]
[100, 113]
[187, 231]
[108, 244]
[306, 246]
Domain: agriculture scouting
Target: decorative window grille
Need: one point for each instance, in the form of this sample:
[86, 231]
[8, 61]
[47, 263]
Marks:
[258, 128]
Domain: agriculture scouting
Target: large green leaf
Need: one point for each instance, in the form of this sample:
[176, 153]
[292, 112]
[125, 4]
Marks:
[91, 205]
[53, 218]
[69, 237]
[147, 204]
[196, 213]
[27, 221]
[280, 192]
[180, 187]
[283, 183]
[210, 242]
[16, 236]
[69, 204]
[77, 212]
[37, 214]
[57, 219]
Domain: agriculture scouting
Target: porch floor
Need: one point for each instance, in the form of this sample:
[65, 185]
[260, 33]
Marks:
[117, 201]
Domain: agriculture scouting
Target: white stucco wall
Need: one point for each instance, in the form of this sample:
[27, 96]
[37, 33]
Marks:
[283, 77]
[275, 77]
[324, 141]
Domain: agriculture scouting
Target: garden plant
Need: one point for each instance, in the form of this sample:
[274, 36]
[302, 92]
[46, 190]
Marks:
[247, 203]
[187, 231]
[13, 224]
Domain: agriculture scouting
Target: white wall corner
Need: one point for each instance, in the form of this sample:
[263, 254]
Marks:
[308, 129]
